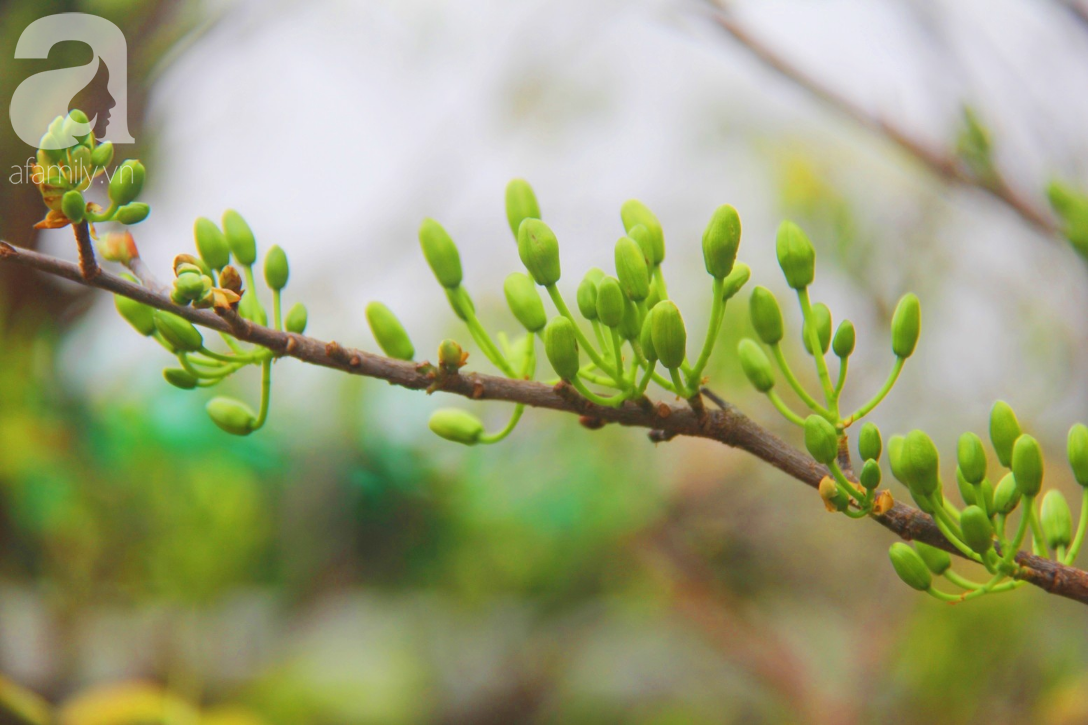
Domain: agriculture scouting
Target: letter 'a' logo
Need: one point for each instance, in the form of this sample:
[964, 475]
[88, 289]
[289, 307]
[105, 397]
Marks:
[44, 96]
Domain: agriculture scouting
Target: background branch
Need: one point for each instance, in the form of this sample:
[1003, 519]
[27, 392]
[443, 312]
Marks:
[945, 165]
[728, 425]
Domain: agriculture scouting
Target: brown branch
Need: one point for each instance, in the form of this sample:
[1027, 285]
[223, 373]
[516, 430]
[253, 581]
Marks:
[944, 165]
[727, 425]
[88, 265]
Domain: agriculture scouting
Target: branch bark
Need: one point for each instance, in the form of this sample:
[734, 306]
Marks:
[942, 164]
[727, 425]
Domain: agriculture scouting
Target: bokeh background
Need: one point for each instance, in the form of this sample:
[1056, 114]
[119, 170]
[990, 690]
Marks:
[346, 567]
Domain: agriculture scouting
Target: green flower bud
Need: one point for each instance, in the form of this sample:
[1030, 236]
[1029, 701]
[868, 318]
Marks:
[587, 297]
[978, 533]
[133, 213]
[821, 440]
[276, 269]
[1006, 495]
[669, 334]
[525, 302]
[450, 355]
[631, 269]
[211, 243]
[389, 333]
[910, 567]
[539, 251]
[520, 204]
[654, 297]
[457, 426]
[756, 366]
[136, 314]
[232, 416]
[610, 302]
[102, 156]
[1027, 465]
[561, 347]
[73, 206]
[595, 274]
[843, 342]
[634, 213]
[643, 239]
[895, 458]
[441, 254]
[796, 255]
[822, 315]
[630, 326]
[766, 315]
[1056, 520]
[869, 443]
[178, 331]
[75, 119]
[127, 182]
[1004, 430]
[249, 308]
[646, 339]
[967, 490]
[180, 378]
[460, 302]
[870, 475]
[296, 319]
[189, 286]
[906, 324]
[721, 240]
[737, 278]
[937, 560]
[971, 457]
[240, 238]
[1078, 453]
[919, 464]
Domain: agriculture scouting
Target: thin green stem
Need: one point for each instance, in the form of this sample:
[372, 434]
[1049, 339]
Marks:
[844, 363]
[645, 382]
[1037, 541]
[277, 315]
[960, 581]
[251, 285]
[266, 394]
[1011, 547]
[777, 402]
[561, 306]
[717, 310]
[817, 349]
[881, 394]
[510, 425]
[612, 402]
[246, 358]
[1082, 525]
[617, 352]
[780, 360]
[660, 277]
[678, 384]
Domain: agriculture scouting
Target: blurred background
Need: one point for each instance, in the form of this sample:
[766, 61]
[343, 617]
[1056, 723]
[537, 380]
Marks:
[344, 566]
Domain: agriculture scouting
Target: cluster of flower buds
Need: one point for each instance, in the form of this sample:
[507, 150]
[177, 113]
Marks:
[628, 324]
[826, 424]
[207, 279]
[983, 530]
[69, 159]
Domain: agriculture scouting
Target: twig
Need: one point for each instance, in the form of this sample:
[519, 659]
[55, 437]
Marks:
[944, 165]
[728, 425]
[88, 266]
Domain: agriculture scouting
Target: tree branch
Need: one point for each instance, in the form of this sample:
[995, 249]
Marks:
[728, 425]
[944, 165]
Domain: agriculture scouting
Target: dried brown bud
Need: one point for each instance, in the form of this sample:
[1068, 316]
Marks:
[883, 503]
[229, 279]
